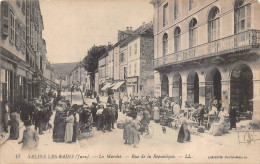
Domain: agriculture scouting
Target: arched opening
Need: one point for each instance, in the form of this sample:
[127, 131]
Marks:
[165, 44]
[193, 28]
[165, 86]
[213, 24]
[193, 88]
[177, 88]
[241, 91]
[213, 88]
[177, 39]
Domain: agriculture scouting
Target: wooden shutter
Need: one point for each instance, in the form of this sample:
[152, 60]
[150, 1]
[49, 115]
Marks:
[5, 20]
[248, 16]
[16, 33]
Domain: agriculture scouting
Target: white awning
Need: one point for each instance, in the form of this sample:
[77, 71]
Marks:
[108, 85]
[118, 85]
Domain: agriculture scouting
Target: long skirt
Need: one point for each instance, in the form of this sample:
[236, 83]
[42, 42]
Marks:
[59, 131]
[99, 122]
[134, 136]
[14, 131]
[126, 133]
[68, 132]
[75, 132]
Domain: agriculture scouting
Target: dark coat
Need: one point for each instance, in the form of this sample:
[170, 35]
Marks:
[181, 135]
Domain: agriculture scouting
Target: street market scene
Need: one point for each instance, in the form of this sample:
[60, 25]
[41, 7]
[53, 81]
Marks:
[158, 81]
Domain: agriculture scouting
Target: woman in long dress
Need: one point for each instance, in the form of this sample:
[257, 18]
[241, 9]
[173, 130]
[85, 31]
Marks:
[30, 138]
[156, 115]
[134, 134]
[126, 132]
[69, 128]
[14, 130]
[184, 133]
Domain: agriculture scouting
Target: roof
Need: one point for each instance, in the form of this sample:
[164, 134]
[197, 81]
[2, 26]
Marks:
[65, 68]
[148, 30]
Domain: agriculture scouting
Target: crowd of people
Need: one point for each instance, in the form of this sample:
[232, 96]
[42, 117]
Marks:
[70, 121]
[36, 112]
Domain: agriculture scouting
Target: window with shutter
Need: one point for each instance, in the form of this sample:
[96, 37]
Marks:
[23, 7]
[32, 33]
[213, 24]
[135, 48]
[242, 16]
[165, 14]
[5, 20]
[176, 9]
[12, 30]
[17, 34]
[28, 25]
[36, 41]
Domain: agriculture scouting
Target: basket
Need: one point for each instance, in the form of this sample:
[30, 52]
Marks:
[120, 125]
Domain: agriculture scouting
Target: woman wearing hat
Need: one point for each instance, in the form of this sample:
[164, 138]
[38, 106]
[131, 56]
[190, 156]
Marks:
[30, 137]
[134, 134]
[69, 128]
[100, 117]
[14, 130]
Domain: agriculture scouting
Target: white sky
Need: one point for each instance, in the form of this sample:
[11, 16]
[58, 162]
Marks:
[71, 27]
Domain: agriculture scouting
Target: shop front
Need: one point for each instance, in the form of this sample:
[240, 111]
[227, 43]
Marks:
[132, 86]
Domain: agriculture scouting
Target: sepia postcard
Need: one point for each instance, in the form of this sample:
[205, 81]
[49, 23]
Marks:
[129, 81]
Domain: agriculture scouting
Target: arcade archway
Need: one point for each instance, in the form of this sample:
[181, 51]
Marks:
[213, 87]
[193, 88]
[164, 85]
[241, 89]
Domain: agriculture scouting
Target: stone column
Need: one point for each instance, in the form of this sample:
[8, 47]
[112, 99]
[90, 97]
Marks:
[202, 92]
[157, 84]
[184, 94]
[256, 99]
[170, 86]
[225, 89]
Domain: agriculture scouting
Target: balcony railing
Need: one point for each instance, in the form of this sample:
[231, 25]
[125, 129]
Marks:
[237, 42]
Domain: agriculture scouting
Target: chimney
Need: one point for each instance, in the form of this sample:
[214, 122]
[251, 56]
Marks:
[127, 28]
[143, 25]
[131, 28]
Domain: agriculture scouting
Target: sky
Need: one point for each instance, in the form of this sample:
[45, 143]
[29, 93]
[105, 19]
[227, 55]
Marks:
[72, 27]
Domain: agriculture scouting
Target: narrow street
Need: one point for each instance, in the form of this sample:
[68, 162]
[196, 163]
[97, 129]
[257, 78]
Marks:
[160, 146]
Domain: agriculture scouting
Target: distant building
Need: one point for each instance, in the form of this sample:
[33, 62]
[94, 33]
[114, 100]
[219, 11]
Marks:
[62, 73]
[137, 58]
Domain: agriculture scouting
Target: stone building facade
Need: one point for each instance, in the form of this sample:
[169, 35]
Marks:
[206, 51]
